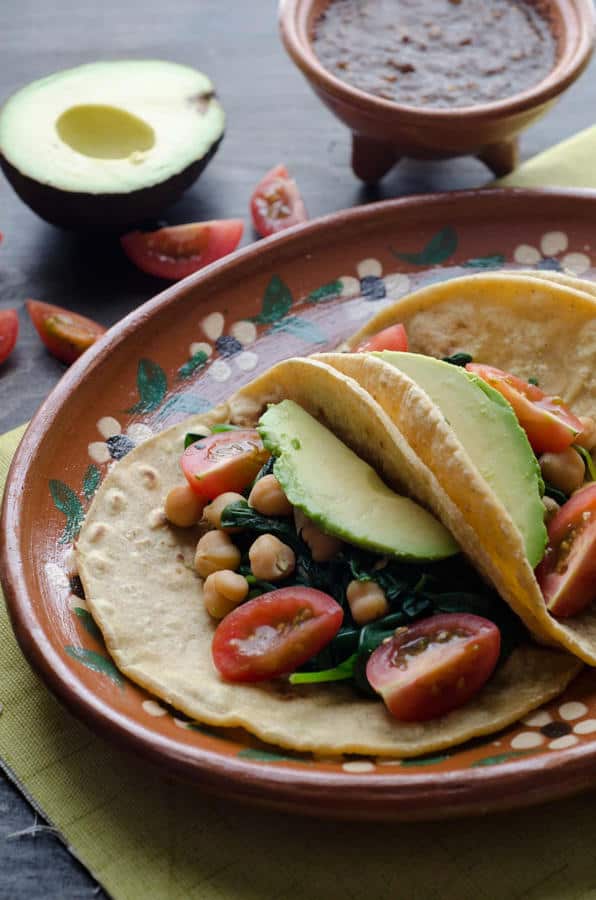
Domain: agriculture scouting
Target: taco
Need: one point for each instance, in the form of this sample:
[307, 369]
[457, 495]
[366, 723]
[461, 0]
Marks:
[532, 339]
[147, 581]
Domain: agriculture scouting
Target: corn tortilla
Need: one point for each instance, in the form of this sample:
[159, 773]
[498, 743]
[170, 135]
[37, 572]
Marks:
[141, 587]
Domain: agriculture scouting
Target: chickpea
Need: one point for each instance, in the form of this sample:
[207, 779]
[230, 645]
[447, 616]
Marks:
[268, 498]
[551, 507]
[215, 551]
[270, 559]
[213, 511]
[564, 470]
[183, 507]
[367, 601]
[223, 591]
[323, 547]
[587, 436]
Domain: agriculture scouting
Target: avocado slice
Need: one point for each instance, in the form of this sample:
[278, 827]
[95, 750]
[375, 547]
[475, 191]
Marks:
[110, 144]
[484, 422]
[342, 494]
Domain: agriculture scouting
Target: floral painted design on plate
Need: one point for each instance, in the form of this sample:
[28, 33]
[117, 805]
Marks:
[200, 341]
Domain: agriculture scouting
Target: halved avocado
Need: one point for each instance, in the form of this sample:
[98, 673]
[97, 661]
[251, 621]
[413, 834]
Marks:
[109, 144]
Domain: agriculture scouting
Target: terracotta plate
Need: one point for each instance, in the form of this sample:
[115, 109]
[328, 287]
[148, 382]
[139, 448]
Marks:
[192, 346]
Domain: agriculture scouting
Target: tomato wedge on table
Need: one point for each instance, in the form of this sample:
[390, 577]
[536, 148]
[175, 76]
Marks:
[548, 423]
[276, 203]
[392, 338]
[435, 665]
[9, 330]
[567, 574]
[66, 334]
[274, 633]
[229, 461]
[180, 250]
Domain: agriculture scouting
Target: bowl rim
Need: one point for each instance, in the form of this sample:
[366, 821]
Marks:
[578, 21]
[293, 788]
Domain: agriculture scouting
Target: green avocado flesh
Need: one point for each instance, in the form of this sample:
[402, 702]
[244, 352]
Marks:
[110, 127]
[342, 494]
[487, 427]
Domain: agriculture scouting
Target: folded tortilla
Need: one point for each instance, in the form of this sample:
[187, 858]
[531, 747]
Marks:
[142, 589]
[530, 324]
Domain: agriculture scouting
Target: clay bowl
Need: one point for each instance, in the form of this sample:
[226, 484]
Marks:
[383, 131]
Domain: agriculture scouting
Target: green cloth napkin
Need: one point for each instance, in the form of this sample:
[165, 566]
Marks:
[569, 164]
[145, 837]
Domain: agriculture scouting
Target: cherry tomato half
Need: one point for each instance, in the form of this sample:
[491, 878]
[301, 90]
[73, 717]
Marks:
[274, 633]
[66, 334]
[180, 250]
[229, 461]
[9, 330]
[276, 203]
[435, 665]
[567, 574]
[392, 338]
[548, 423]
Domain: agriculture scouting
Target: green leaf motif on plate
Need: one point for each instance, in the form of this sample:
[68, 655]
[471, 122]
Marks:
[326, 292]
[267, 756]
[96, 662]
[441, 246]
[67, 502]
[485, 262]
[277, 302]
[500, 758]
[88, 623]
[425, 760]
[152, 385]
[196, 362]
[91, 481]
[301, 328]
[187, 404]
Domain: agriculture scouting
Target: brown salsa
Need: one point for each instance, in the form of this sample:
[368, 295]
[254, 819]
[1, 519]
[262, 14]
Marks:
[437, 53]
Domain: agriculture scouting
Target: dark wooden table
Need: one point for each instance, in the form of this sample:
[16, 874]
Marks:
[272, 117]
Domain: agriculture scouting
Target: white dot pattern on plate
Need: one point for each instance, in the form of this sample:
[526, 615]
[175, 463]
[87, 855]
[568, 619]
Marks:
[243, 331]
[554, 242]
[576, 263]
[180, 723]
[396, 284]
[568, 740]
[108, 426]
[212, 325]
[572, 710]
[526, 740]
[138, 432]
[200, 347]
[77, 602]
[219, 370]
[367, 267]
[356, 766]
[350, 286]
[247, 361]
[587, 726]
[98, 452]
[153, 709]
[526, 255]
[538, 719]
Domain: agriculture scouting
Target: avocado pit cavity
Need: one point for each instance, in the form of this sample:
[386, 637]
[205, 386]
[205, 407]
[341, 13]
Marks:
[104, 132]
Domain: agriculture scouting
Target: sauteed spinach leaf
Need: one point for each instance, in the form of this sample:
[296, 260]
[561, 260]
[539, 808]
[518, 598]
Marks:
[413, 590]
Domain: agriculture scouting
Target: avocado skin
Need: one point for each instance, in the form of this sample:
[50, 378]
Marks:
[88, 212]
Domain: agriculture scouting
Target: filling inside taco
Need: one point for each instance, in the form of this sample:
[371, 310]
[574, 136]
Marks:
[493, 416]
[311, 566]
